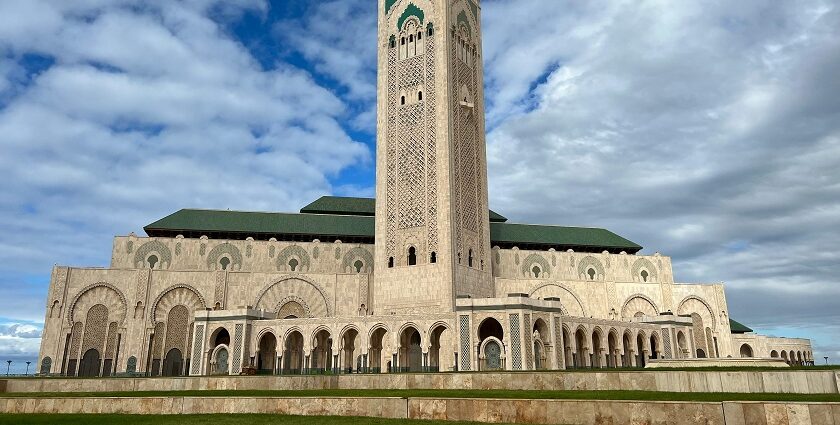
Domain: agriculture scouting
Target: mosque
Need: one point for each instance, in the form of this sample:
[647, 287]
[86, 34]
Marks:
[424, 278]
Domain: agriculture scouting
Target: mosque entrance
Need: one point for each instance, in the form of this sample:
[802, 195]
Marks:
[173, 363]
[90, 363]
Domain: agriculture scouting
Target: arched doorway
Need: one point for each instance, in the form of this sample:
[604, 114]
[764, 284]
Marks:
[435, 361]
[640, 350]
[627, 359]
[567, 349]
[597, 358]
[375, 351]
[654, 348]
[612, 349]
[267, 354]
[747, 351]
[410, 354]
[701, 354]
[542, 344]
[490, 335]
[221, 360]
[173, 363]
[348, 351]
[682, 345]
[774, 354]
[91, 363]
[322, 353]
[293, 353]
[582, 355]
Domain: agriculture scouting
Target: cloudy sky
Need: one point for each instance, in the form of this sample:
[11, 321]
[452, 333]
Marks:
[708, 131]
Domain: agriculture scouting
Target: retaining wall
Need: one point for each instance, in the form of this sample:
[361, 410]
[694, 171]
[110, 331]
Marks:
[800, 382]
[583, 412]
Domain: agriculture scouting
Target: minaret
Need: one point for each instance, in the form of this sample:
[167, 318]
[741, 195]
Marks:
[432, 226]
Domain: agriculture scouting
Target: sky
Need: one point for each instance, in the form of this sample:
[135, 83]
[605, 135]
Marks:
[707, 131]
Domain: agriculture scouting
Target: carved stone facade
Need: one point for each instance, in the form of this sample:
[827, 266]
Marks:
[430, 294]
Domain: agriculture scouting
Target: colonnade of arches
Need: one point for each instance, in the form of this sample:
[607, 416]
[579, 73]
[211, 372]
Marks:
[791, 357]
[597, 347]
[352, 349]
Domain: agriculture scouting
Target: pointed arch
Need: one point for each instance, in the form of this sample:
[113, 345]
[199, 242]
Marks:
[298, 286]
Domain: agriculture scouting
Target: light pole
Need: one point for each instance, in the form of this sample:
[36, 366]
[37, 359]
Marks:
[27, 367]
[8, 365]
[826, 359]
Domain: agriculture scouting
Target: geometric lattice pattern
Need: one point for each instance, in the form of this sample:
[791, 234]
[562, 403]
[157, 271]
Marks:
[529, 355]
[177, 328]
[238, 334]
[198, 347]
[558, 342]
[644, 264]
[515, 342]
[465, 342]
[431, 146]
[666, 344]
[590, 262]
[227, 250]
[96, 325]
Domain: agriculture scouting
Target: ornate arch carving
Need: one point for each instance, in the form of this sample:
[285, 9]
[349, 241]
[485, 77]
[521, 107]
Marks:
[572, 305]
[644, 264]
[293, 251]
[150, 247]
[181, 294]
[358, 253]
[222, 249]
[695, 304]
[286, 307]
[589, 261]
[98, 293]
[306, 289]
[639, 303]
[535, 259]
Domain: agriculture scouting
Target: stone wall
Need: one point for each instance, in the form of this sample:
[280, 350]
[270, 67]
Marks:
[478, 410]
[798, 382]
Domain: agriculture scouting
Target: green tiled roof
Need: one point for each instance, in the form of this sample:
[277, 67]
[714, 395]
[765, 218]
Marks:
[738, 328]
[358, 206]
[576, 238]
[261, 223]
[322, 220]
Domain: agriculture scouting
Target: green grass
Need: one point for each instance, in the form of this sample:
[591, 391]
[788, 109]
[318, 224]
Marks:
[227, 419]
[505, 394]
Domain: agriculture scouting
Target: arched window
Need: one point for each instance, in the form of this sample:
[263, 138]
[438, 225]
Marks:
[420, 95]
[392, 42]
[412, 256]
[433, 258]
[358, 266]
[536, 271]
[411, 38]
[402, 100]
[402, 41]
[430, 29]
[470, 258]
[419, 36]
[152, 260]
[293, 263]
[390, 262]
[591, 273]
[644, 275]
[224, 262]
[459, 258]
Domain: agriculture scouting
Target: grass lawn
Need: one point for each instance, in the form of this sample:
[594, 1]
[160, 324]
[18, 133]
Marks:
[506, 394]
[37, 419]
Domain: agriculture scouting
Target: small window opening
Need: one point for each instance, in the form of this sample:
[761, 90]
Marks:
[152, 260]
[391, 262]
[420, 95]
[402, 100]
[431, 30]
[358, 266]
[433, 258]
[293, 263]
[591, 273]
[402, 41]
[225, 262]
[411, 38]
[412, 256]
[459, 258]
[536, 271]
[392, 42]
[645, 275]
[470, 258]
[419, 36]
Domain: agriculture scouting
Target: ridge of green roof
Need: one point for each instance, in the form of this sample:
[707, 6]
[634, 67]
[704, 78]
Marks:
[308, 225]
[738, 328]
[538, 234]
[358, 206]
[243, 222]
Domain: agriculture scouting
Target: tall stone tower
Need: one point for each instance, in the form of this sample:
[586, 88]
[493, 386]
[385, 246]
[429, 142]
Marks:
[432, 227]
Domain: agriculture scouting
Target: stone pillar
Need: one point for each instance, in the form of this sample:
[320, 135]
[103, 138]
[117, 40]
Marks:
[632, 357]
